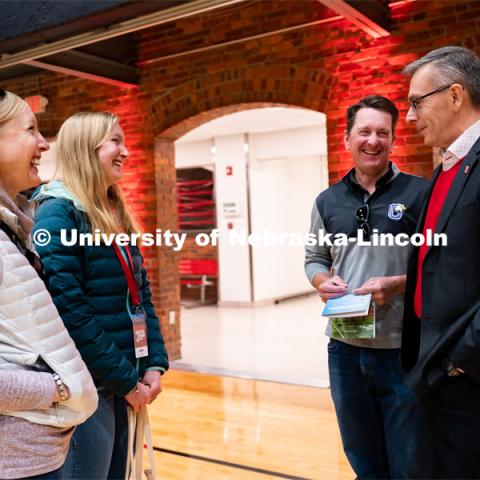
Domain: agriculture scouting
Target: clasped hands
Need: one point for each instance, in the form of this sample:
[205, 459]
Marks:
[146, 391]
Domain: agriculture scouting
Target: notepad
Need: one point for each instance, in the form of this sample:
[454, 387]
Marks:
[348, 306]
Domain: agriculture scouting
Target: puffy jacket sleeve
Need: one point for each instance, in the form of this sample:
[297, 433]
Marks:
[64, 268]
[157, 354]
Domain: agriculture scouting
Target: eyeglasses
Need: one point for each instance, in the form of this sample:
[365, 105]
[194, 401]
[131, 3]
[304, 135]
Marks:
[361, 215]
[415, 102]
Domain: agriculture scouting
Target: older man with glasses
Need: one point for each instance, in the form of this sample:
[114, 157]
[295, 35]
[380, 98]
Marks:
[441, 340]
[380, 421]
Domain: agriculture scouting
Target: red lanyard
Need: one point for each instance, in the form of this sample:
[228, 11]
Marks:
[127, 270]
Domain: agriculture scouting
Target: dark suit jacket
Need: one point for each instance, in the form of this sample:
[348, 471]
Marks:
[450, 324]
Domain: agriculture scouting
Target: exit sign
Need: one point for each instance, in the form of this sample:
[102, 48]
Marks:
[37, 103]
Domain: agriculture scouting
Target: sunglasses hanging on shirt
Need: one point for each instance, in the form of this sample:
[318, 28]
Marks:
[361, 215]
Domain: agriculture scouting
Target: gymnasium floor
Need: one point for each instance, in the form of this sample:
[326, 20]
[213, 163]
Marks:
[282, 343]
[217, 420]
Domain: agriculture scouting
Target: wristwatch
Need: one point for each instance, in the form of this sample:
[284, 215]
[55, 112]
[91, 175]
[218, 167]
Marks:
[451, 368]
[61, 387]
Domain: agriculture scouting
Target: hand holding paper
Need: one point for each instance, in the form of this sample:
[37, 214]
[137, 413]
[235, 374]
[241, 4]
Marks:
[382, 288]
[331, 287]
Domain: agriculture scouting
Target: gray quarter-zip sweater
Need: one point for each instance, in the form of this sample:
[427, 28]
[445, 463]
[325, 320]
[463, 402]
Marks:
[394, 208]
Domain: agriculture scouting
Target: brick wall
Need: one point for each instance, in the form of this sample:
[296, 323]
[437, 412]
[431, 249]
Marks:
[324, 67]
[68, 95]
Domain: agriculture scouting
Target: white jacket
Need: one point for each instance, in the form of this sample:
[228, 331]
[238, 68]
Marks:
[32, 333]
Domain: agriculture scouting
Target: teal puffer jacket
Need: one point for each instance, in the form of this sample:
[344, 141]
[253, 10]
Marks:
[89, 288]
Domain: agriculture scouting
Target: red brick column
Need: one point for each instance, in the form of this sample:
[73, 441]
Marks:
[167, 261]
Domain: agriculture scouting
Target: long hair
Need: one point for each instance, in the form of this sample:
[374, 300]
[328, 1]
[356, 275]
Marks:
[80, 169]
[10, 106]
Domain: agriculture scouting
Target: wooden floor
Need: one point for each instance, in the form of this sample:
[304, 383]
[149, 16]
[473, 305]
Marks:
[283, 343]
[209, 427]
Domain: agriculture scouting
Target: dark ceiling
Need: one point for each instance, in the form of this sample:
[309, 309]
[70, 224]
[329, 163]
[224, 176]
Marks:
[21, 17]
[32, 23]
[28, 24]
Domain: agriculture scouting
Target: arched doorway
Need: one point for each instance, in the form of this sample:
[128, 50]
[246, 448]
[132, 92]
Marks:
[266, 165]
[265, 181]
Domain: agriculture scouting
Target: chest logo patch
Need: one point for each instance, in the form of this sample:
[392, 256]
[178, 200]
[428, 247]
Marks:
[395, 211]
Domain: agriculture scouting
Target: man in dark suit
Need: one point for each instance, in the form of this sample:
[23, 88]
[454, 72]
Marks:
[441, 336]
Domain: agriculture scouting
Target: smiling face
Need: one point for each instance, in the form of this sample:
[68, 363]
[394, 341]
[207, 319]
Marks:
[112, 154]
[434, 117]
[21, 146]
[370, 141]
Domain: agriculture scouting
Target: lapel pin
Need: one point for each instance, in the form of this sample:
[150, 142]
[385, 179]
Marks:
[467, 169]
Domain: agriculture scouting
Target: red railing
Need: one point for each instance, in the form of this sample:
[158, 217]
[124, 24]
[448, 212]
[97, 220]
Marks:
[195, 206]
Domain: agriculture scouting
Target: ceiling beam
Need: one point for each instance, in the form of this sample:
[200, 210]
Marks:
[370, 16]
[322, 21]
[77, 73]
[90, 67]
[167, 15]
[87, 66]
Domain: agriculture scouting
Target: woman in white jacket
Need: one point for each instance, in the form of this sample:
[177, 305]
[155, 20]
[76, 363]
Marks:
[45, 388]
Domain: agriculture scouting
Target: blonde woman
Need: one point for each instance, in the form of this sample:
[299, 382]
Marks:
[100, 291]
[45, 388]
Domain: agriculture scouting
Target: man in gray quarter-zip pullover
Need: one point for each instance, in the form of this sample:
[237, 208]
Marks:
[380, 422]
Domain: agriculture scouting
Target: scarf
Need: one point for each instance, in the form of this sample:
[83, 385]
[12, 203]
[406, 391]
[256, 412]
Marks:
[17, 225]
[24, 222]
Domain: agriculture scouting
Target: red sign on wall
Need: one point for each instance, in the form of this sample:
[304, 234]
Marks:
[37, 103]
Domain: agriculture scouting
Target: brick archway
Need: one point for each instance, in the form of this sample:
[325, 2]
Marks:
[166, 198]
[181, 128]
[236, 89]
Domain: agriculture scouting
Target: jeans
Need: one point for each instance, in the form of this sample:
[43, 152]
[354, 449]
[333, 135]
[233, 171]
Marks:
[55, 475]
[383, 430]
[98, 449]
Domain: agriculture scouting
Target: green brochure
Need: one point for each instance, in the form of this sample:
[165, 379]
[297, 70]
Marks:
[354, 327]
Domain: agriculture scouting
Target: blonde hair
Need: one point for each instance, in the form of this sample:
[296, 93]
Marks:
[80, 169]
[10, 106]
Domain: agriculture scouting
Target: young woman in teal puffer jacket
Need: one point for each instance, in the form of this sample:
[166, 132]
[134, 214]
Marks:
[90, 287]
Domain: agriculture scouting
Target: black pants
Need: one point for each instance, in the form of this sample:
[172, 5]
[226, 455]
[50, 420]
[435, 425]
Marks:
[452, 413]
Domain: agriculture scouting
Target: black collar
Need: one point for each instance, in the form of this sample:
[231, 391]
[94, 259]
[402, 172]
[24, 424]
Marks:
[351, 181]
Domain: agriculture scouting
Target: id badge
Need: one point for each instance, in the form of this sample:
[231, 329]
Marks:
[139, 332]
